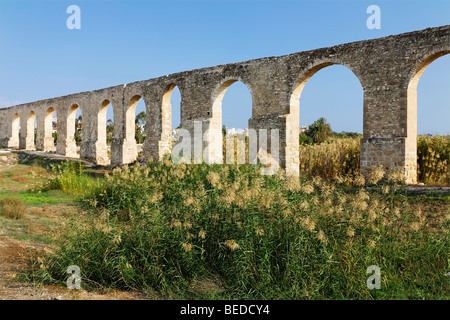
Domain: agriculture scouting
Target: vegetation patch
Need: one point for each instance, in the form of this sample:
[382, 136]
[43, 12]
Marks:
[172, 228]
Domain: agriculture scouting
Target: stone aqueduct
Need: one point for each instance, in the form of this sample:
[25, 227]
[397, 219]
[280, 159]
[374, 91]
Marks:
[388, 69]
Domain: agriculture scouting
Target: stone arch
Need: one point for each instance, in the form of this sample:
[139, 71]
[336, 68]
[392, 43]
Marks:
[167, 139]
[29, 137]
[420, 66]
[219, 92]
[131, 150]
[15, 131]
[411, 111]
[73, 133]
[166, 104]
[312, 69]
[71, 120]
[130, 116]
[101, 144]
[214, 138]
[293, 118]
[49, 144]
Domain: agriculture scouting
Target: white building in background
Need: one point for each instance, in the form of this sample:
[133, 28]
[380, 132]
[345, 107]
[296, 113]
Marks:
[175, 134]
[54, 125]
[234, 131]
[303, 129]
[231, 131]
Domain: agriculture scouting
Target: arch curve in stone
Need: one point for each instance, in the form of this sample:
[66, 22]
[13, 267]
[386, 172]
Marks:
[411, 111]
[28, 137]
[67, 144]
[219, 92]
[166, 106]
[420, 66]
[310, 70]
[213, 137]
[292, 121]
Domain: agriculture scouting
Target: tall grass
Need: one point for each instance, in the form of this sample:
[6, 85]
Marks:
[166, 227]
[433, 159]
[340, 157]
[336, 157]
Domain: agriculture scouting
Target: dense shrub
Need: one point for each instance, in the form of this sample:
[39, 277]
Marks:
[165, 227]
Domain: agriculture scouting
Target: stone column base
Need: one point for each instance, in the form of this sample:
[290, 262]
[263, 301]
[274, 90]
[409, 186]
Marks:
[123, 152]
[389, 153]
[95, 152]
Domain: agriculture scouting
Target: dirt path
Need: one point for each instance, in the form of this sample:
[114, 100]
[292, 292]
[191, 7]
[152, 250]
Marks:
[13, 257]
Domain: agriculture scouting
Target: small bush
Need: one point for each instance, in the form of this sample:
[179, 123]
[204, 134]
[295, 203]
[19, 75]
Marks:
[71, 179]
[12, 208]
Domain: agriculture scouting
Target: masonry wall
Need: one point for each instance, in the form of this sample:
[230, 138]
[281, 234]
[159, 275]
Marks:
[388, 69]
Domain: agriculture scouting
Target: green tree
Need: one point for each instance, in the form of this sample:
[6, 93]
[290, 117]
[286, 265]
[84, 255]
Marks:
[54, 134]
[140, 124]
[109, 131]
[77, 137]
[319, 131]
[303, 139]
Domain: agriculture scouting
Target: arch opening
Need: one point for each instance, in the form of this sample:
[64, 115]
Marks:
[31, 134]
[74, 132]
[231, 112]
[171, 114]
[327, 121]
[428, 111]
[135, 128]
[50, 130]
[105, 134]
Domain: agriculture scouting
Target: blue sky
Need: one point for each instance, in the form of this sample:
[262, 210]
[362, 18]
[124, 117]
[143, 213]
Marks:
[127, 41]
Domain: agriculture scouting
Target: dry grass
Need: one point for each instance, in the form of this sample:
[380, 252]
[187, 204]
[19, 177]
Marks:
[336, 157]
[12, 208]
[340, 157]
[433, 159]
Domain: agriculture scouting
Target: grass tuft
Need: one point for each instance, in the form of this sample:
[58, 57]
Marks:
[12, 208]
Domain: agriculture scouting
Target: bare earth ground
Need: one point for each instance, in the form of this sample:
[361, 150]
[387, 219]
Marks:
[35, 231]
[20, 238]
[13, 255]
